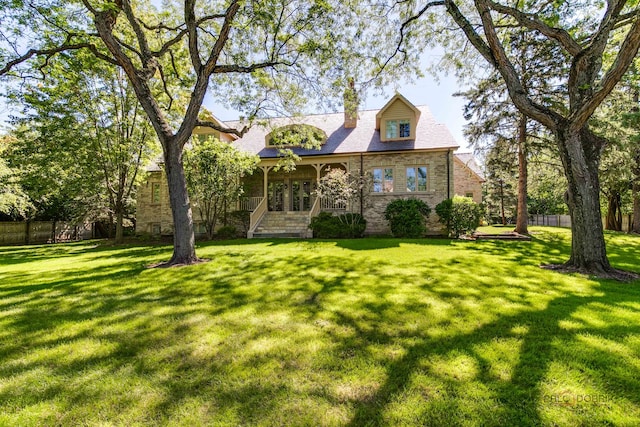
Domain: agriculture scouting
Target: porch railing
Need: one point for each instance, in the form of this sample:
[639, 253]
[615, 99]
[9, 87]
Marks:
[315, 210]
[250, 203]
[256, 216]
[332, 205]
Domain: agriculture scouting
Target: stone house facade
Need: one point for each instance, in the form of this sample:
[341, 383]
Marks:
[467, 176]
[400, 147]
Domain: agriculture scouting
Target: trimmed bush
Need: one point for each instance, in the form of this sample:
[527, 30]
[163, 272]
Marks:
[327, 226]
[460, 215]
[407, 217]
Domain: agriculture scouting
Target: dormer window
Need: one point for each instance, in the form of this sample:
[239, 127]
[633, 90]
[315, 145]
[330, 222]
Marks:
[397, 120]
[405, 128]
[398, 129]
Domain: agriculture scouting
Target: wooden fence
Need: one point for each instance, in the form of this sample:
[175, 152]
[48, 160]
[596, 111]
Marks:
[15, 233]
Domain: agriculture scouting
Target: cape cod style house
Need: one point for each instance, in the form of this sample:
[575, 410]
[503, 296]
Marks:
[400, 147]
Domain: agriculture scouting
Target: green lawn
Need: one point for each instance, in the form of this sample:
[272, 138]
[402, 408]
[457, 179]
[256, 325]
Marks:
[285, 332]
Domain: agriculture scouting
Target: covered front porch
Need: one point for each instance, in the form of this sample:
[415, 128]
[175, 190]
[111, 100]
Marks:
[283, 203]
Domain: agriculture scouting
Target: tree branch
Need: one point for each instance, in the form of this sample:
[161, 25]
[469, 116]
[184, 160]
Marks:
[229, 68]
[533, 23]
[494, 52]
[192, 31]
[53, 51]
[222, 129]
[625, 57]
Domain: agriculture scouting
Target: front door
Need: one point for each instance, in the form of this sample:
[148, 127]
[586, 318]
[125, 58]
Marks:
[275, 194]
[301, 195]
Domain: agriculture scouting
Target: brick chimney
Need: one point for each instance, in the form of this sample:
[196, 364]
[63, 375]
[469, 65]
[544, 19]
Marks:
[350, 106]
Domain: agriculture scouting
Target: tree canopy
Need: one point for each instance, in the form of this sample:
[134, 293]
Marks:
[587, 32]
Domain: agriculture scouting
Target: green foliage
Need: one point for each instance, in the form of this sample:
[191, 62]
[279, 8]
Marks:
[213, 170]
[303, 136]
[460, 215]
[14, 202]
[242, 219]
[328, 226]
[407, 217]
[227, 232]
[82, 141]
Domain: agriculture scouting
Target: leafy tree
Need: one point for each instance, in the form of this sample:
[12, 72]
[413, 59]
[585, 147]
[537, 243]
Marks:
[499, 127]
[14, 202]
[88, 109]
[247, 53]
[501, 186]
[584, 32]
[618, 119]
[59, 186]
[213, 171]
[546, 186]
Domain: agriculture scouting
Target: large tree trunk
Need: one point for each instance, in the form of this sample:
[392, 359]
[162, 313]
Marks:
[588, 252]
[522, 219]
[635, 227]
[119, 218]
[614, 213]
[635, 192]
[184, 251]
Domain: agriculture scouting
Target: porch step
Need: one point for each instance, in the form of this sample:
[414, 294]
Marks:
[283, 224]
[260, 235]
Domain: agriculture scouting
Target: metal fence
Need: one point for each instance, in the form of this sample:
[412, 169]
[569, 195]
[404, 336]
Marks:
[12, 233]
[550, 220]
[565, 221]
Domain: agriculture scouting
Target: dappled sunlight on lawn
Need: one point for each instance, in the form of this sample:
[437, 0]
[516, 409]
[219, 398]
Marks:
[287, 332]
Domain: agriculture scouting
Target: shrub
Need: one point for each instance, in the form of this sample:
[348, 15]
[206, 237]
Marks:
[460, 215]
[407, 217]
[241, 219]
[327, 226]
[227, 232]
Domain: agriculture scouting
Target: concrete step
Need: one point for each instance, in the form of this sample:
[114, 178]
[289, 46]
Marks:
[270, 235]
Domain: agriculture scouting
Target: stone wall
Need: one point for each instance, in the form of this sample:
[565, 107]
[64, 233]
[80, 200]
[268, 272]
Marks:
[152, 216]
[376, 203]
[466, 182]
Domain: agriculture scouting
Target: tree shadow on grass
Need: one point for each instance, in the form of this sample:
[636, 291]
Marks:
[288, 339]
[517, 400]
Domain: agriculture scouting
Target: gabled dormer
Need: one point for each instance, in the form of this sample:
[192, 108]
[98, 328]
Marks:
[397, 120]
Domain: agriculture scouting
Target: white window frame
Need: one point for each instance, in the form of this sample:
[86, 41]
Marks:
[385, 182]
[407, 124]
[416, 184]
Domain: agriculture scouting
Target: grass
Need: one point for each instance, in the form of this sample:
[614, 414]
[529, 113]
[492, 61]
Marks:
[285, 332]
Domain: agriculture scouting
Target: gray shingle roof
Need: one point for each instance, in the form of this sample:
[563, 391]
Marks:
[364, 138]
[470, 161]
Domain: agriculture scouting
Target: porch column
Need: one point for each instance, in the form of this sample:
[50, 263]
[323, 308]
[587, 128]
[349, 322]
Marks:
[318, 167]
[265, 183]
